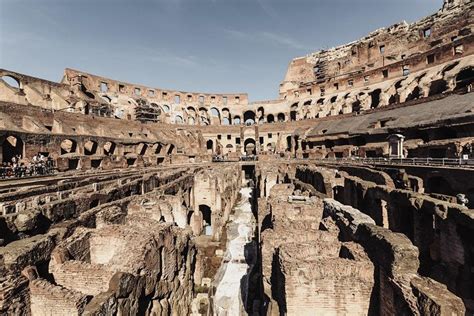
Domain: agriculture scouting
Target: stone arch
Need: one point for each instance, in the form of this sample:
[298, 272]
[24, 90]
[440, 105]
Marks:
[68, 146]
[90, 148]
[281, 117]
[142, 149]
[203, 116]
[236, 120]
[293, 112]
[249, 117]
[375, 98]
[12, 146]
[250, 146]
[206, 218]
[415, 94]
[464, 78]
[437, 87]
[109, 148]
[215, 112]
[11, 81]
[270, 118]
[178, 119]
[209, 145]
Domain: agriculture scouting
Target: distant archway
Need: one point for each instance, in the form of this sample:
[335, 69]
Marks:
[281, 117]
[270, 118]
[210, 145]
[293, 112]
[249, 117]
[11, 81]
[207, 218]
[250, 146]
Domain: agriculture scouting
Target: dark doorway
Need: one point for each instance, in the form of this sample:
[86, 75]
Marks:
[12, 146]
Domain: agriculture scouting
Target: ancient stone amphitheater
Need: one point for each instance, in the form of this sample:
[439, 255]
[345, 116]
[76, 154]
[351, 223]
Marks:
[352, 194]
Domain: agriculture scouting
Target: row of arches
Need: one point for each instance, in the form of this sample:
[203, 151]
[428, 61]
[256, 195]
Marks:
[224, 117]
[371, 100]
[14, 146]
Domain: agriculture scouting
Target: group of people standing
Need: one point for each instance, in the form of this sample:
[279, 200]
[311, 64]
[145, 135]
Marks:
[21, 167]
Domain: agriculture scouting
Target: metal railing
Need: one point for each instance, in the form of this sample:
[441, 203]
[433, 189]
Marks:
[448, 162]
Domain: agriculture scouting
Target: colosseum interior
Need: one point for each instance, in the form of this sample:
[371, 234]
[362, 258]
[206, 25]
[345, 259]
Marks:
[352, 194]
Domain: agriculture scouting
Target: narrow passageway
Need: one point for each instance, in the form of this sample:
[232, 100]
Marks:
[232, 278]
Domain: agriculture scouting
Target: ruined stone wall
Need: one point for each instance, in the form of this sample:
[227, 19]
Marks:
[82, 269]
[428, 222]
[217, 189]
[303, 271]
[434, 40]
[399, 288]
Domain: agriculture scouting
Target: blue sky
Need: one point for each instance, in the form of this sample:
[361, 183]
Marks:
[219, 46]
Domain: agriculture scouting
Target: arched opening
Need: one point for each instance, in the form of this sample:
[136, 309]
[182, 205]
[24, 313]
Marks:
[209, 145]
[191, 120]
[288, 143]
[438, 87]
[375, 96]
[293, 112]
[94, 203]
[356, 107]
[281, 117]
[158, 148]
[166, 108]
[141, 149]
[109, 148]
[250, 146]
[207, 218]
[415, 94]
[464, 78]
[178, 119]
[225, 113]
[170, 149]
[12, 146]
[394, 98]
[225, 121]
[214, 112]
[249, 118]
[439, 185]
[90, 148]
[270, 118]
[229, 148]
[11, 81]
[237, 120]
[68, 146]
[189, 217]
[261, 114]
